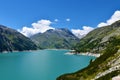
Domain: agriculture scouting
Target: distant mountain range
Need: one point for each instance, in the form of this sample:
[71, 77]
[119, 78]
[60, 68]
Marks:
[11, 40]
[106, 41]
[55, 38]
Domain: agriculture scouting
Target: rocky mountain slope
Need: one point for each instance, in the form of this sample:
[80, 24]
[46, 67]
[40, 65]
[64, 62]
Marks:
[105, 67]
[107, 41]
[97, 40]
[11, 40]
[59, 38]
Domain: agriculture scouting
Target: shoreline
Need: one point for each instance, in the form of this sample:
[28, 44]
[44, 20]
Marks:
[5, 52]
[85, 54]
[57, 49]
[89, 54]
[71, 52]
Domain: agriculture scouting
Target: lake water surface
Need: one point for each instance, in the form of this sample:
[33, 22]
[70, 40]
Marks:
[40, 65]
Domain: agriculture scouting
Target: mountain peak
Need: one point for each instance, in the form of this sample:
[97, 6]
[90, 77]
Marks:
[60, 38]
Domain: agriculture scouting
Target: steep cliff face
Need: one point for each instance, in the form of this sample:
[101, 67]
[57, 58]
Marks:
[59, 38]
[11, 40]
[97, 40]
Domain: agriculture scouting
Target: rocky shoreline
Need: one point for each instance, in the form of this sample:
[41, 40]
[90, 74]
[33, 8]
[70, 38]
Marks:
[72, 52]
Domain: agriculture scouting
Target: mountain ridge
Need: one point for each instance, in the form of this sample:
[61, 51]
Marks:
[105, 67]
[60, 38]
[97, 40]
[12, 40]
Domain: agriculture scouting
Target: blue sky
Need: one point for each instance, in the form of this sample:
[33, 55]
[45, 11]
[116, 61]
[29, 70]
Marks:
[19, 13]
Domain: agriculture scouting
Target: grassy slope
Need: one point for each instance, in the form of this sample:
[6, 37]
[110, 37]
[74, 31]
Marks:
[60, 39]
[97, 40]
[110, 55]
[12, 40]
[98, 66]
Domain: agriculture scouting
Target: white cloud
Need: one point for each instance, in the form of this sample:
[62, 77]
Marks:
[56, 20]
[68, 19]
[40, 27]
[86, 29]
[115, 17]
[81, 33]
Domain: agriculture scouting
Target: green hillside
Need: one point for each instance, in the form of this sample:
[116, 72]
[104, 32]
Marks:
[97, 40]
[58, 39]
[11, 40]
[104, 40]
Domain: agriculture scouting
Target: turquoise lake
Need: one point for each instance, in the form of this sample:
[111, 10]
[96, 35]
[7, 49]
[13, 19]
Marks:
[40, 65]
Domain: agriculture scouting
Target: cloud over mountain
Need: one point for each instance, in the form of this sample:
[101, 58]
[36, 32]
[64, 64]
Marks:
[39, 27]
[81, 33]
[86, 29]
[115, 17]
[43, 25]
